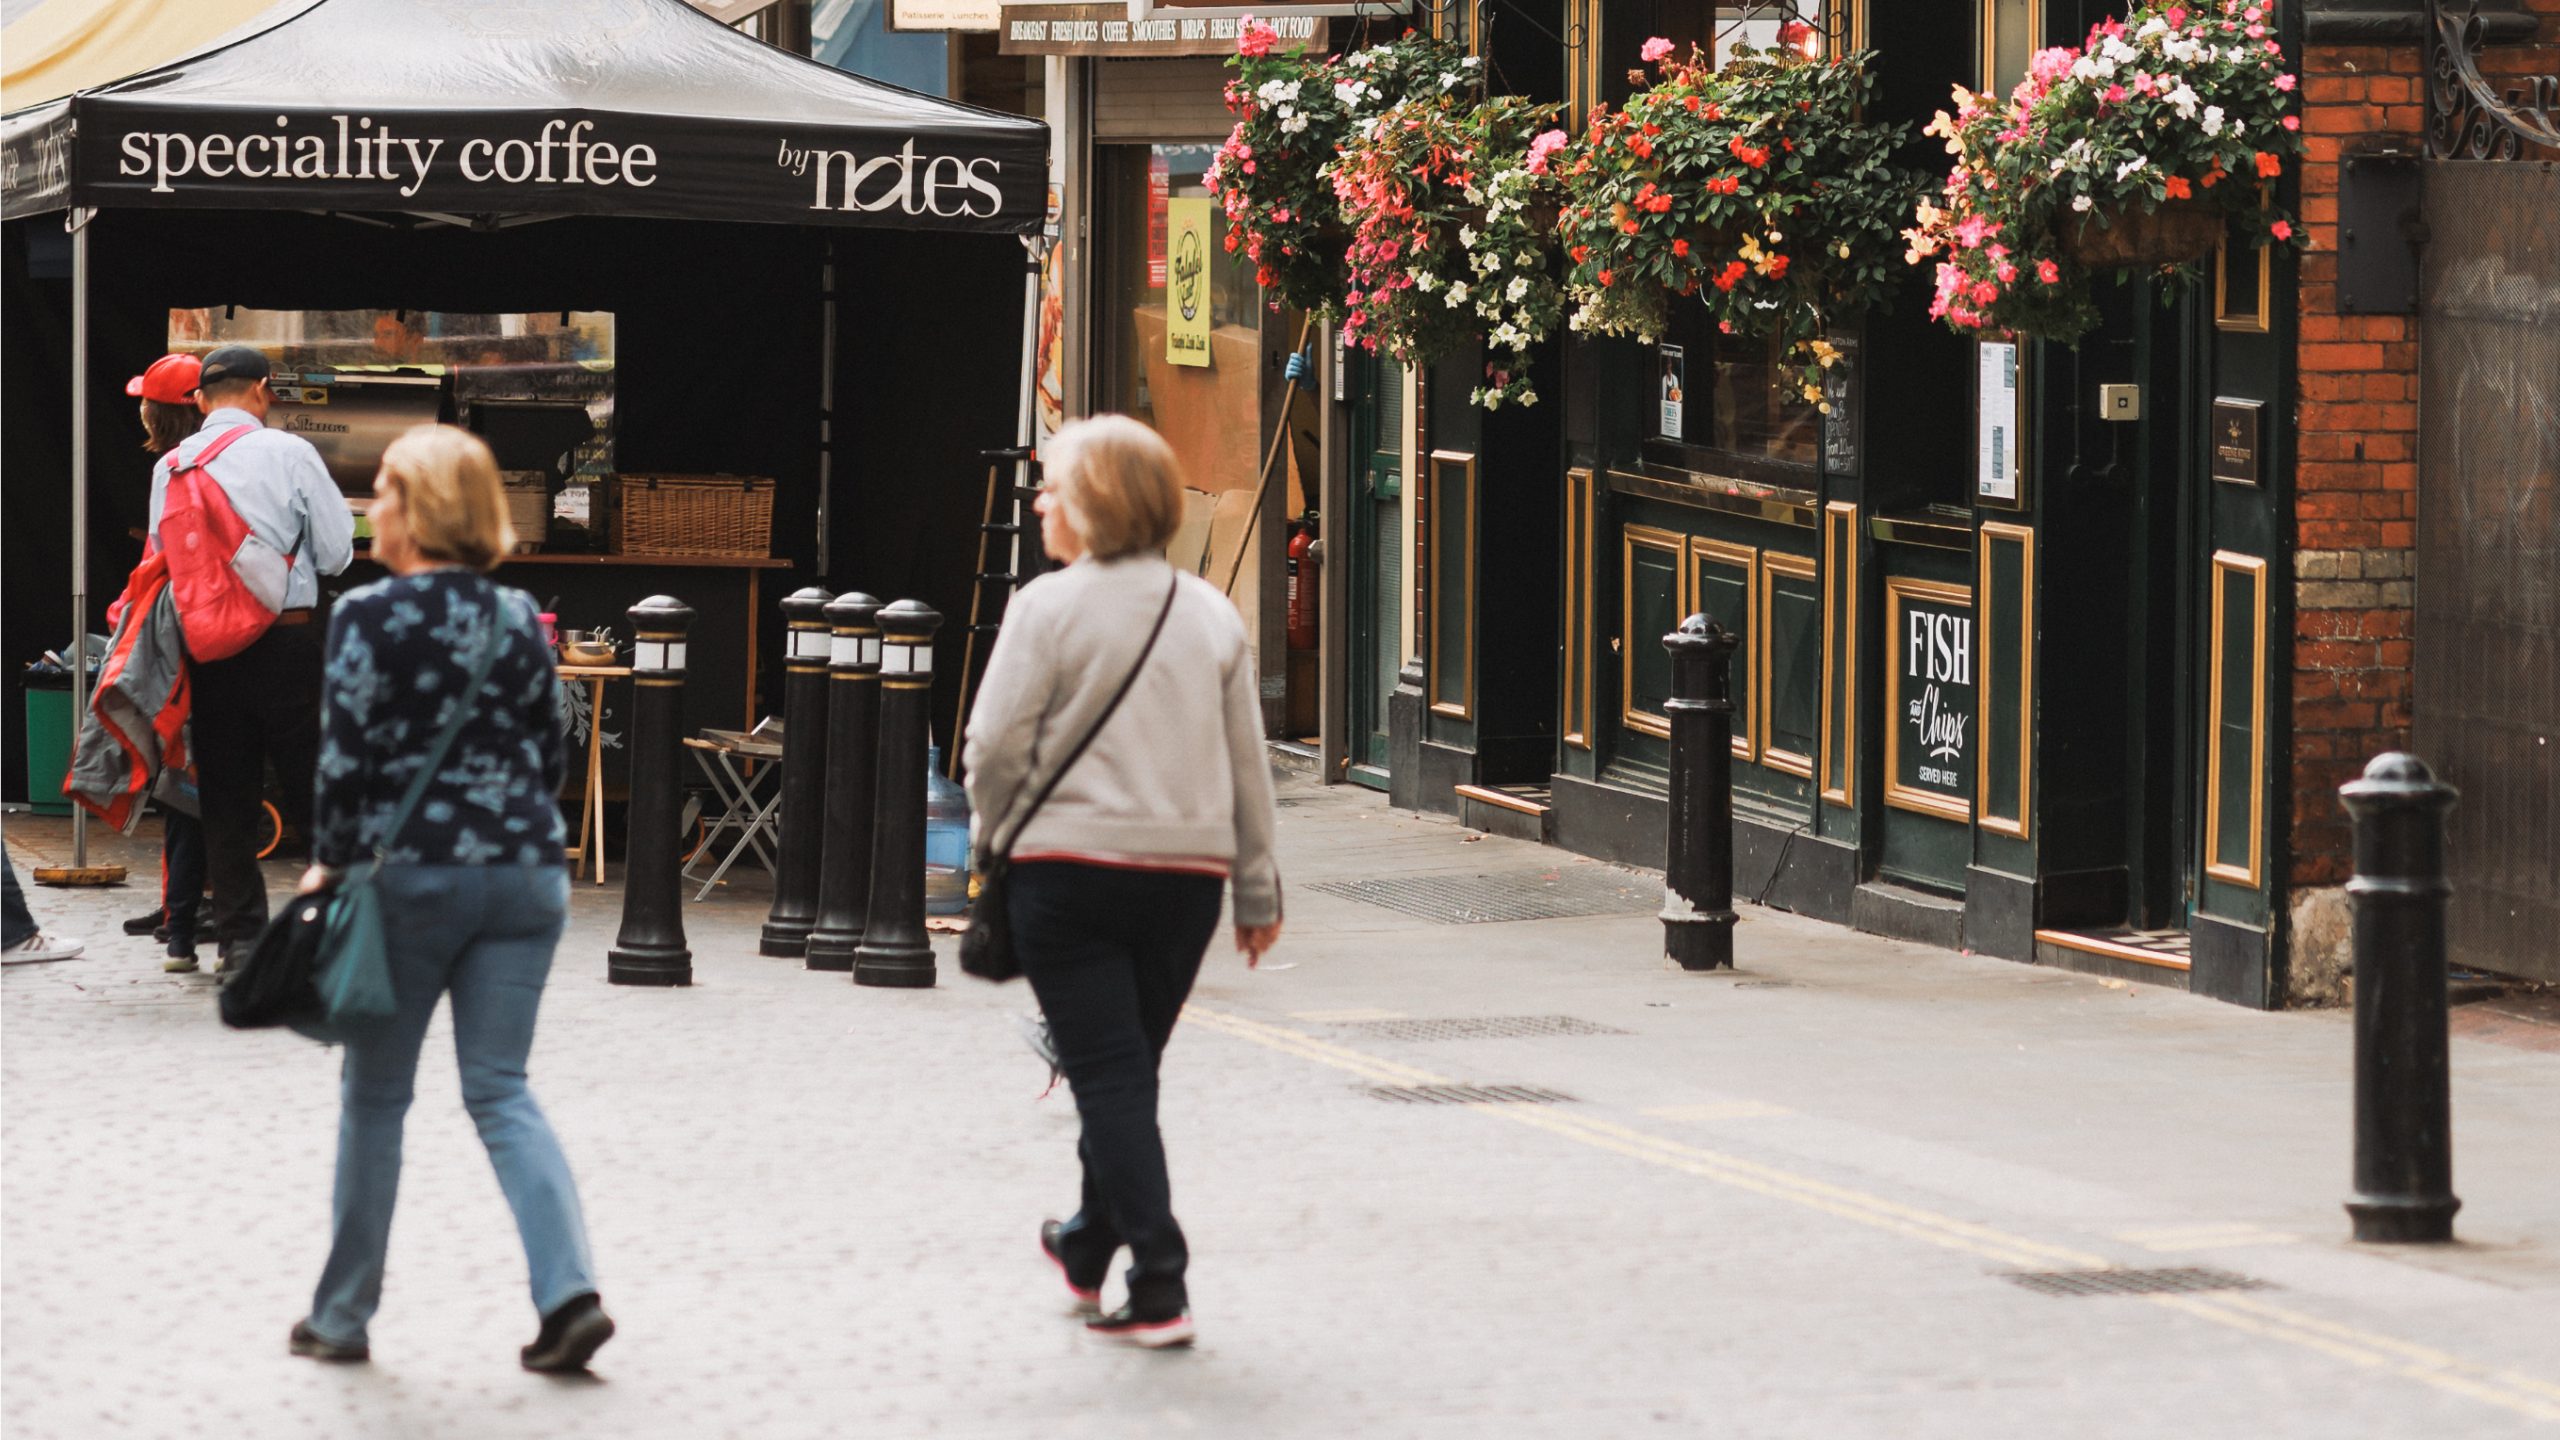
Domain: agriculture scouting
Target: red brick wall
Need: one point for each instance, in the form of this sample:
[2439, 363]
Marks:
[2356, 470]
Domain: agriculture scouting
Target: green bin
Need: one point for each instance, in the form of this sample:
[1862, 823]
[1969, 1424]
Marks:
[48, 749]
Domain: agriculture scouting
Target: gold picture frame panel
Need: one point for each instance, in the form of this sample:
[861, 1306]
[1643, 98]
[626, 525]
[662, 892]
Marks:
[1444, 465]
[1632, 538]
[1988, 626]
[2227, 563]
[1775, 565]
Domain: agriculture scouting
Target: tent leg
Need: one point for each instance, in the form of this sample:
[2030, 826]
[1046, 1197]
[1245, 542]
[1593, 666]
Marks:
[826, 407]
[78, 223]
[1035, 248]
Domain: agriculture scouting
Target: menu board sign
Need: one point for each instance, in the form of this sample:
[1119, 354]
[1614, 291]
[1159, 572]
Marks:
[1930, 751]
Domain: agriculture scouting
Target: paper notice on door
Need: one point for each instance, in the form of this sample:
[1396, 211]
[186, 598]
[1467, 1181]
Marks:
[1186, 295]
[1997, 444]
[1675, 389]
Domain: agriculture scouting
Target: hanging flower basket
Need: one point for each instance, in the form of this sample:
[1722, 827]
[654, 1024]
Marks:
[2125, 156]
[1757, 190]
[2178, 232]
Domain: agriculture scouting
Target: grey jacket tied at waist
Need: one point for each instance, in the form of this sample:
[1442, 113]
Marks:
[1179, 772]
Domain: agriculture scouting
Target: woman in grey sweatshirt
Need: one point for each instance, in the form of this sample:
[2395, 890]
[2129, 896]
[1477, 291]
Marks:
[1116, 881]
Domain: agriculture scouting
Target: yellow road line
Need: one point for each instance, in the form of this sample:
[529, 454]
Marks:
[2506, 1389]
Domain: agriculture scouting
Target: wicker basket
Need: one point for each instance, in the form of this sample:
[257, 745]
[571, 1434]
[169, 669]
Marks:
[2176, 233]
[724, 515]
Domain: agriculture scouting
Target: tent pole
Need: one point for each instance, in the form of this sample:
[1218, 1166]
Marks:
[826, 406]
[78, 223]
[1035, 248]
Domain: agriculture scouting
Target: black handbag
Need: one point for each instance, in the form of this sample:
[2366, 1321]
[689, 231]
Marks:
[279, 984]
[986, 947]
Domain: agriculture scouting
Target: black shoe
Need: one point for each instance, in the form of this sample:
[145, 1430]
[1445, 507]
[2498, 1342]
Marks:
[1088, 1295]
[571, 1335]
[181, 941]
[1150, 1328]
[153, 924]
[235, 953]
[309, 1342]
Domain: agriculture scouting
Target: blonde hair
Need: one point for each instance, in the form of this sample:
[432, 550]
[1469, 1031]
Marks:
[450, 492]
[1119, 483]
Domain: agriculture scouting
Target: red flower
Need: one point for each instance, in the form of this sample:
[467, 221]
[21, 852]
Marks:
[1638, 144]
[2282, 230]
[2269, 165]
[2179, 189]
[1776, 269]
[1680, 248]
[1731, 275]
[1605, 277]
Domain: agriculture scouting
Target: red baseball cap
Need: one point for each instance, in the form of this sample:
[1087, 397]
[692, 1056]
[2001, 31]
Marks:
[171, 380]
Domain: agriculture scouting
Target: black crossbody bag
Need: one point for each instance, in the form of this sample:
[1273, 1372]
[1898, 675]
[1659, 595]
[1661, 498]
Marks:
[986, 948]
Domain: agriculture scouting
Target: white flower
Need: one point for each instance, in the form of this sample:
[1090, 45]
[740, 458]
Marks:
[1457, 293]
[2213, 119]
[1472, 61]
[1529, 399]
[1467, 236]
[1293, 124]
[2126, 170]
[1519, 287]
[2081, 202]
[1449, 81]
[1524, 260]
[2183, 100]
[1426, 282]
[1349, 92]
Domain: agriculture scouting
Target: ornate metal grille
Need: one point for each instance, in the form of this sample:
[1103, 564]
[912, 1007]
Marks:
[2467, 116]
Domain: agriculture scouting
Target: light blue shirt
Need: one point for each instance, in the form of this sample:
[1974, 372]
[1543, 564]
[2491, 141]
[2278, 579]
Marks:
[281, 491]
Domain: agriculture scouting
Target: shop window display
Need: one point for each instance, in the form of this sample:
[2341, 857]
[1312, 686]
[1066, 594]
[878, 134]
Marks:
[1208, 411]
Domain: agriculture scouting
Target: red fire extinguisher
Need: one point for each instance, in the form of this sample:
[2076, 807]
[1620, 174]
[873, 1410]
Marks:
[1303, 564]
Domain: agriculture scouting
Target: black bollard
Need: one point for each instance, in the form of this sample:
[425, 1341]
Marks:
[1697, 877]
[894, 950]
[651, 950]
[853, 754]
[2404, 1088]
[804, 775]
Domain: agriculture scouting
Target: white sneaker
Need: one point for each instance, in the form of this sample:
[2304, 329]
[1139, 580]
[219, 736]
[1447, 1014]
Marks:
[40, 946]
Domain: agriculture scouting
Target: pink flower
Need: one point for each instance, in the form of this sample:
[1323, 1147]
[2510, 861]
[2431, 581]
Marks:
[1985, 292]
[2177, 17]
[2282, 229]
[1971, 229]
[2292, 122]
[1254, 37]
[1654, 49]
[2048, 272]
[1545, 145]
[2008, 274]
[2115, 95]
[2286, 82]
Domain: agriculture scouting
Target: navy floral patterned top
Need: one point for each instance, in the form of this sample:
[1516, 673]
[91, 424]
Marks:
[399, 652]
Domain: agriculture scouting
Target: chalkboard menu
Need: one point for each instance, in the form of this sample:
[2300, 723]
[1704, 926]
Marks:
[1930, 736]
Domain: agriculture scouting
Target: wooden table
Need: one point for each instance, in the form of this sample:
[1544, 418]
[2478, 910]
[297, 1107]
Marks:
[591, 805]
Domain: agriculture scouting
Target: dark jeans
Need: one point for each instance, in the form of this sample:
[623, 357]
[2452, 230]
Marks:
[1112, 954]
[261, 706]
[182, 861]
[16, 924]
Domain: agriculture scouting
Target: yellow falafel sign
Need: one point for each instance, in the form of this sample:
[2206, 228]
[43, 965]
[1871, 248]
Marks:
[1186, 281]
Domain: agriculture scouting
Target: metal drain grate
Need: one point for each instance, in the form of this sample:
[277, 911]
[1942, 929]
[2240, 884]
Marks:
[1494, 1027]
[1466, 1094]
[1555, 894]
[2179, 1280]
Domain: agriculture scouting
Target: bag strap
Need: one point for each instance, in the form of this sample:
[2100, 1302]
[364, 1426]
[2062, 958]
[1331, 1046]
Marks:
[219, 444]
[1171, 591]
[486, 661]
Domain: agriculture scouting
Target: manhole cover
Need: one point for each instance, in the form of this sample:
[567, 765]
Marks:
[1556, 894]
[1466, 1094]
[1493, 1027]
[2179, 1280]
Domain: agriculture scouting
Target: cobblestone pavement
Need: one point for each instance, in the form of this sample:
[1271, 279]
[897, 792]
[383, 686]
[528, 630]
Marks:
[1781, 1202]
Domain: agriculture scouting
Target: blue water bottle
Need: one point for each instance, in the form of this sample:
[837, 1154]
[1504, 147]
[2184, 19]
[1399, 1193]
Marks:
[946, 840]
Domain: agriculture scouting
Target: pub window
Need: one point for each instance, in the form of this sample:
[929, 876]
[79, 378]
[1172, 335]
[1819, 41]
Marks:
[1734, 405]
[2008, 39]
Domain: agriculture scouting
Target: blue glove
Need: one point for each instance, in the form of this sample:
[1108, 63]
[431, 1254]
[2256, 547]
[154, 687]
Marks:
[1301, 368]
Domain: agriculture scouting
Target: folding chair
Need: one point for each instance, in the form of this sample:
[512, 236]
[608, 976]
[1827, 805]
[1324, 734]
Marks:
[752, 800]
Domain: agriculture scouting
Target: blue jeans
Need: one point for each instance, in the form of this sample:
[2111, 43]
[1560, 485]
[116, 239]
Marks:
[485, 933]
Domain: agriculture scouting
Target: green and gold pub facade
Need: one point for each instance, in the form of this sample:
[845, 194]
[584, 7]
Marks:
[2009, 613]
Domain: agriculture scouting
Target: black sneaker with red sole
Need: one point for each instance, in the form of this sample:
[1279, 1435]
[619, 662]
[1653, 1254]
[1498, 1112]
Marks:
[1088, 1297]
[1149, 1329]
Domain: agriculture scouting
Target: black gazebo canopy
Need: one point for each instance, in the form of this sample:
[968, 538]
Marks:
[504, 107]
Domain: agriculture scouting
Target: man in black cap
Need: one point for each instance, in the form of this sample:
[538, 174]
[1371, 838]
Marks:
[261, 705]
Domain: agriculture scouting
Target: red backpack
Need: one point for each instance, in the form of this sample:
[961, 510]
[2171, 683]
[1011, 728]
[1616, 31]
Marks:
[229, 583]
